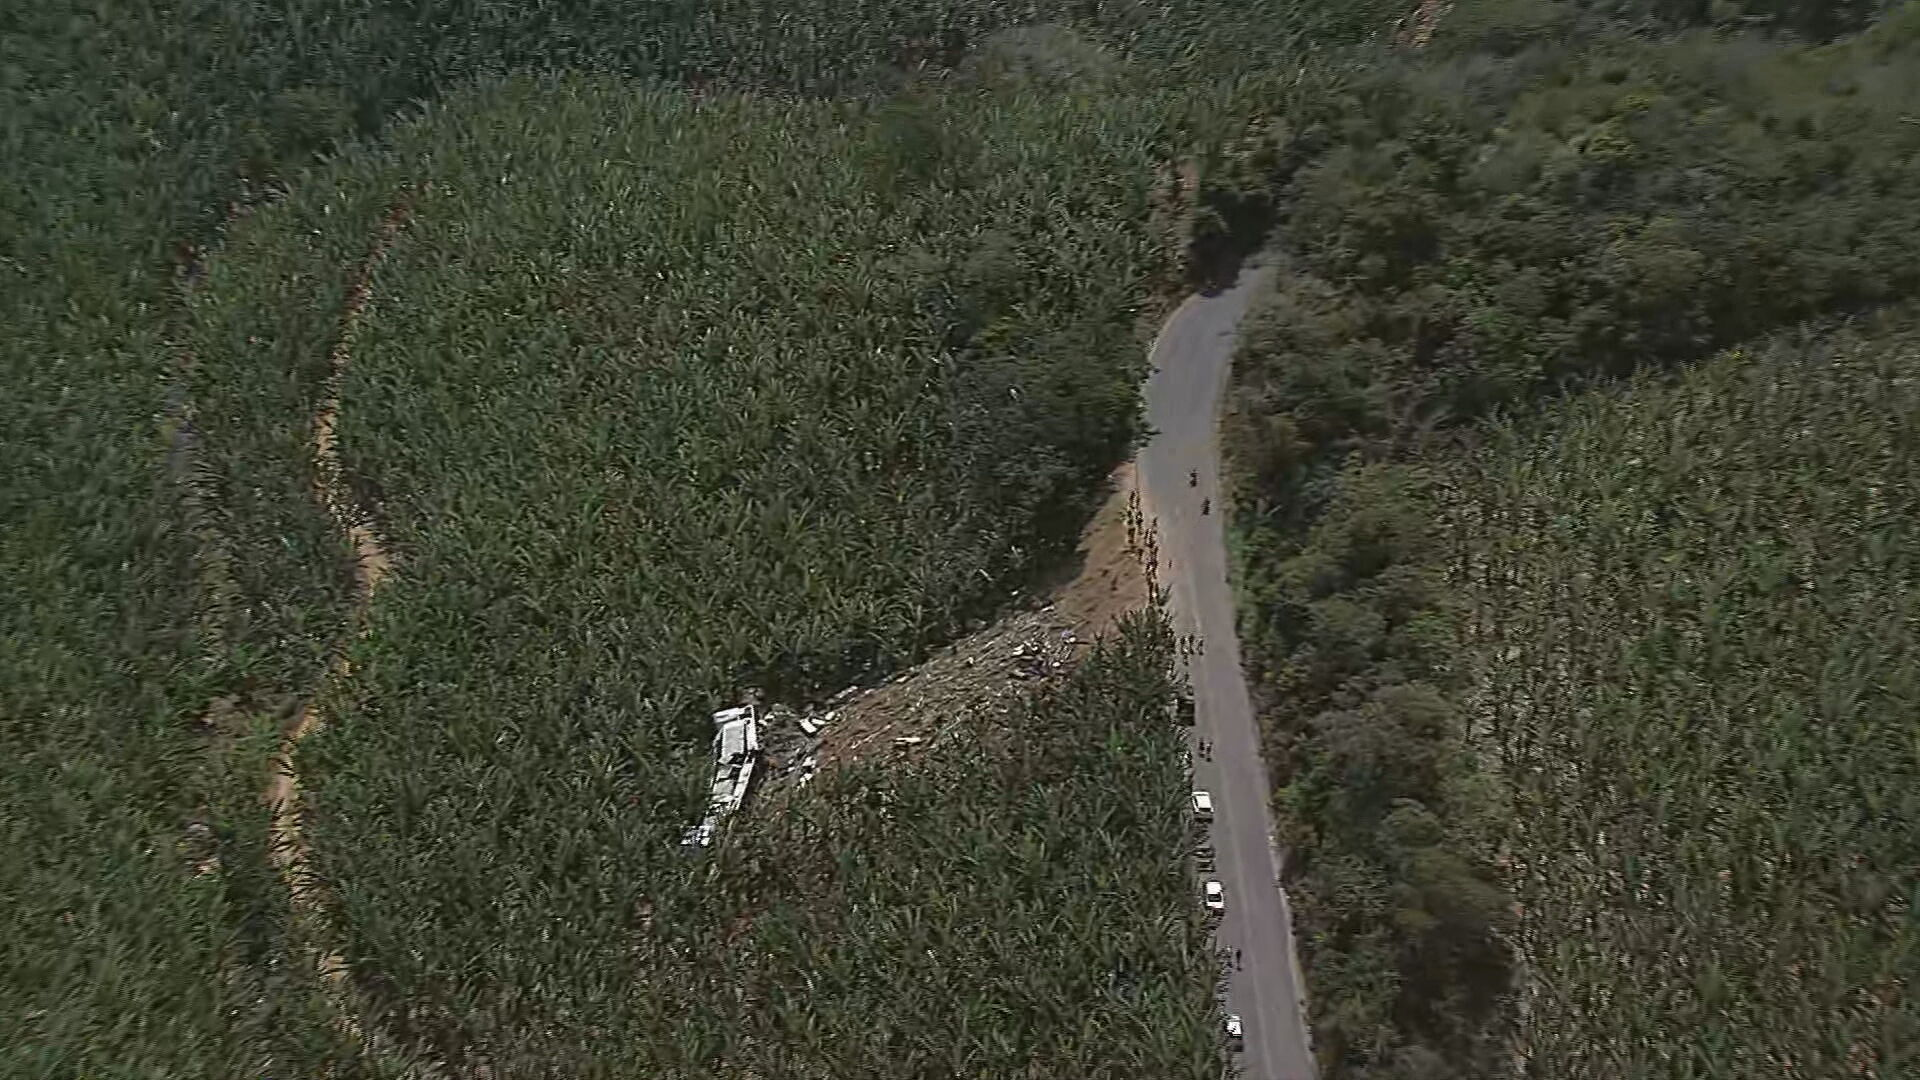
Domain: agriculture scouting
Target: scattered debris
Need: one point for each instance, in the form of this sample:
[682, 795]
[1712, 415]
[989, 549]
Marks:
[1415, 29]
[975, 684]
[201, 848]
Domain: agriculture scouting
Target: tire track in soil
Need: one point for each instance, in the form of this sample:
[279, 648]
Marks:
[210, 558]
[371, 565]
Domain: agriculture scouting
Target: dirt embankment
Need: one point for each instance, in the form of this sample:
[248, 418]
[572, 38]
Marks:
[986, 673]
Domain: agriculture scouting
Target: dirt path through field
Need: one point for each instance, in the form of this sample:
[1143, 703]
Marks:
[371, 565]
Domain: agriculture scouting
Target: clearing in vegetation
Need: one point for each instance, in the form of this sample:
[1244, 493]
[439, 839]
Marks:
[1018, 904]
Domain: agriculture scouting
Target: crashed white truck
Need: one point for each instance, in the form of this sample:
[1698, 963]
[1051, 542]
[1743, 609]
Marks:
[736, 759]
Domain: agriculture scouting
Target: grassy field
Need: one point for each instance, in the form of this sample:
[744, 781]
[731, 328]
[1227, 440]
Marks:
[1688, 618]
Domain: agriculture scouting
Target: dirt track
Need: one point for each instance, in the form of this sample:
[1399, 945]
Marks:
[288, 847]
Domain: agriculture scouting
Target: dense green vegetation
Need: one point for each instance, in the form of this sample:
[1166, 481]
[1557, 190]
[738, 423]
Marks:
[1689, 636]
[755, 394]
[1475, 232]
[1547, 200]
[1816, 20]
[1018, 908]
[648, 415]
[163, 606]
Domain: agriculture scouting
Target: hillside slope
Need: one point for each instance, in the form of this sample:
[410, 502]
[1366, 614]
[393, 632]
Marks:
[754, 394]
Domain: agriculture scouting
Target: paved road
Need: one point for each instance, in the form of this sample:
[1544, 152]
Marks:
[1190, 359]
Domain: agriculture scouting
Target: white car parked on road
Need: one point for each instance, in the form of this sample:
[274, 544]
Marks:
[1235, 1035]
[1203, 806]
[1216, 897]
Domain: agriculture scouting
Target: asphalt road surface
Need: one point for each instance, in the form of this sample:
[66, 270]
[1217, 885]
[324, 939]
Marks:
[1190, 360]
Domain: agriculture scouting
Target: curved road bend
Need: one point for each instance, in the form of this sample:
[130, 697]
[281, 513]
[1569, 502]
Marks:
[1190, 361]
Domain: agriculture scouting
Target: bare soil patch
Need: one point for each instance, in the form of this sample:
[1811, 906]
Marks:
[984, 675]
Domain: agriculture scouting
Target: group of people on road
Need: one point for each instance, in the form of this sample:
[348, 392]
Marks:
[1193, 480]
[1206, 745]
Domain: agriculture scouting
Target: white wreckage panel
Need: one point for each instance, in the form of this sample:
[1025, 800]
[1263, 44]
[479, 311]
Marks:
[736, 752]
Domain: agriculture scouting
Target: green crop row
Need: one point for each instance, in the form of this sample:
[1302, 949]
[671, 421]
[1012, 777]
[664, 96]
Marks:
[1687, 620]
[1543, 200]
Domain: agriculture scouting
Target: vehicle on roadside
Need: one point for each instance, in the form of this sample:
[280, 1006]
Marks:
[1203, 855]
[1216, 897]
[1202, 806]
[1236, 1035]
